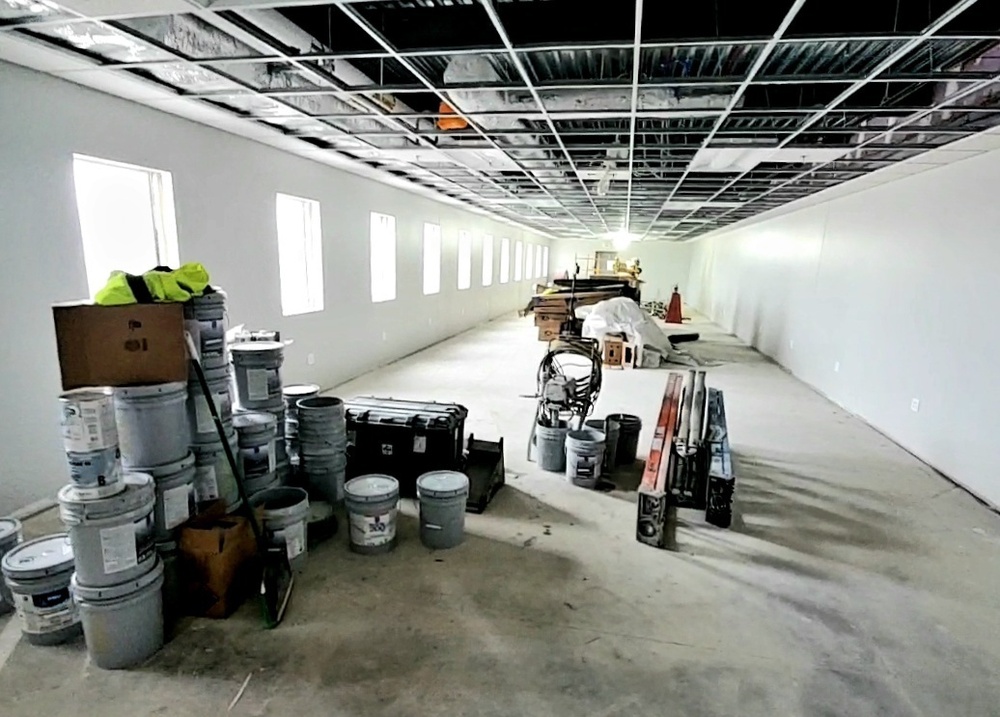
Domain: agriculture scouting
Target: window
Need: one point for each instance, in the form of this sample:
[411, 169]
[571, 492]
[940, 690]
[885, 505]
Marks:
[487, 260]
[126, 218]
[432, 259]
[383, 255]
[545, 262]
[529, 266]
[464, 259]
[518, 259]
[300, 255]
[504, 260]
[539, 272]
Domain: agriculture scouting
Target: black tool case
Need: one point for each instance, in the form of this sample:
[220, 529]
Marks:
[485, 468]
[403, 439]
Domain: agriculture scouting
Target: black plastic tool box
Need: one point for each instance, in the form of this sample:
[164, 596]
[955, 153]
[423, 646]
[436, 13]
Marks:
[404, 439]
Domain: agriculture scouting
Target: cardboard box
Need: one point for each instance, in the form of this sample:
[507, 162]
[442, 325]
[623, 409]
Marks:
[218, 555]
[120, 345]
[614, 351]
[548, 330]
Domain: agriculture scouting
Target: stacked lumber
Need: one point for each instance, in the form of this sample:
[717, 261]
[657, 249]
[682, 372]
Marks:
[553, 311]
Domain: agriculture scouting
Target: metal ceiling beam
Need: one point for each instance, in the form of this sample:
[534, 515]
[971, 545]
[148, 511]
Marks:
[894, 57]
[636, 67]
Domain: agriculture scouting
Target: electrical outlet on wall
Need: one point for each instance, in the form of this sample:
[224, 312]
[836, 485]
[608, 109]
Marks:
[915, 405]
[311, 359]
[791, 343]
[385, 336]
[836, 366]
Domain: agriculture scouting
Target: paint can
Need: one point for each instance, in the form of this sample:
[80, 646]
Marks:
[326, 477]
[292, 395]
[88, 420]
[96, 474]
[112, 537]
[10, 537]
[122, 623]
[286, 514]
[38, 574]
[175, 500]
[255, 433]
[322, 427]
[213, 476]
[442, 495]
[611, 430]
[153, 427]
[199, 415]
[372, 503]
[205, 320]
[257, 366]
[628, 437]
[584, 455]
[550, 447]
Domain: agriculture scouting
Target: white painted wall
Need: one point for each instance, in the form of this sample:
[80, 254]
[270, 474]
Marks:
[664, 264]
[896, 287]
[224, 190]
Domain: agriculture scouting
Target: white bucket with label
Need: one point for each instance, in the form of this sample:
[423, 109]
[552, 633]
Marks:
[88, 420]
[153, 427]
[112, 537]
[122, 623]
[175, 501]
[372, 504]
[38, 574]
[205, 320]
[584, 456]
[255, 432]
[257, 365]
[442, 495]
[286, 515]
[213, 478]
[10, 537]
[96, 474]
[199, 415]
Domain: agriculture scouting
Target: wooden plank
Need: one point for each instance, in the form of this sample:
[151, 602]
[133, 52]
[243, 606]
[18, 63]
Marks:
[668, 408]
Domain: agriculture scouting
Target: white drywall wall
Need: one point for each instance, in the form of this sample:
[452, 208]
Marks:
[879, 298]
[224, 189]
[664, 264]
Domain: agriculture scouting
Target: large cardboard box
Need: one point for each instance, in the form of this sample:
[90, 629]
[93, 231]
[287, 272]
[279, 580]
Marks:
[218, 555]
[120, 345]
[548, 330]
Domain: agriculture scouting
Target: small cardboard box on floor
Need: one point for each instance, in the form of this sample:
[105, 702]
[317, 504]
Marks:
[218, 554]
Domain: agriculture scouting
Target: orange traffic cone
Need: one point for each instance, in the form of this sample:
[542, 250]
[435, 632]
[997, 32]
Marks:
[674, 309]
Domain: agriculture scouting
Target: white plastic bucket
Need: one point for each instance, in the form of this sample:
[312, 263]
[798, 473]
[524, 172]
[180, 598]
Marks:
[257, 366]
[38, 573]
[88, 420]
[372, 504]
[153, 425]
[286, 515]
[584, 455]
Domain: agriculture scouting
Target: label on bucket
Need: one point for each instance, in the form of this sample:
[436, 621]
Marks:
[262, 383]
[46, 612]
[371, 530]
[89, 425]
[258, 461]
[294, 537]
[203, 416]
[125, 546]
[176, 506]
[206, 485]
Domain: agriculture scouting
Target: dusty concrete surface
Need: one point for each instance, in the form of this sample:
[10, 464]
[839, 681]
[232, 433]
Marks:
[856, 582]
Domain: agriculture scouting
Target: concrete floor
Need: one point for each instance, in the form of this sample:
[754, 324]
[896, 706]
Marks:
[855, 582]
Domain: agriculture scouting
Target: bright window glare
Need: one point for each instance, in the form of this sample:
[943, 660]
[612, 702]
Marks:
[432, 259]
[300, 255]
[464, 259]
[504, 260]
[518, 260]
[383, 257]
[487, 260]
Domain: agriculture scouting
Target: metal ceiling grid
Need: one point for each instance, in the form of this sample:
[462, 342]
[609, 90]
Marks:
[577, 123]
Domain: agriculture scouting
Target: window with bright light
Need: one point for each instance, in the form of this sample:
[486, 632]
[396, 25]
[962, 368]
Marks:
[529, 266]
[487, 260]
[538, 262]
[300, 255]
[383, 257]
[126, 218]
[464, 259]
[545, 262]
[432, 259]
[504, 260]
[518, 260]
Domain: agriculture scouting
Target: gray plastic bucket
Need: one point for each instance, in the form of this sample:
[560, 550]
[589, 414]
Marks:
[550, 447]
[442, 495]
[328, 479]
[88, 420]
[123, 623]
[629, 427]
[610, 428]
[175, 500]
[213, 477]
[205, 320]
[255, 432]
[257, 365]
[286, 515]
[584, 455]
[153, 425]
[96, 474]
[112, 537]
[199, 415]
[322, 426]
[37, 573]
[261, 483]
[372, 504]
[10, 537]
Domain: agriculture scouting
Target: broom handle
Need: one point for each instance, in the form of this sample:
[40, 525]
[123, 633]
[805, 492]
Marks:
[221, 430]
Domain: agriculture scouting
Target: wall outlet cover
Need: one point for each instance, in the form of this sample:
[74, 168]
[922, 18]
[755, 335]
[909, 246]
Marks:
[836, 366]
[915, 405]
[311, 359]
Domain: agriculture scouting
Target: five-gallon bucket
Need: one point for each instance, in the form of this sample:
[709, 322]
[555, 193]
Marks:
[629, 427]
[88, 420]
[153, 425]
[442, 495]
[38, 574]
[257, 365]
[10, 537]
[213, 478]
[122, 623]
[175, 499]
[550, 447]
[112, 537]
[286, 513]
[611, 430]
[372, 503]
[256, 437]
[584, 455]
[96, 474]
[200, 415]
[205, 320]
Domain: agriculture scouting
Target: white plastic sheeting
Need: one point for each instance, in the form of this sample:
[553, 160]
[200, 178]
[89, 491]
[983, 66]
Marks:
[621, 315]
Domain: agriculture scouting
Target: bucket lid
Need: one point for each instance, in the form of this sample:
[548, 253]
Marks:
[586, 435]
[443, 484]
[83, 394]
[256, 347]
[282, 498]
[371, 488]
[168, 469]
[39, 558]
[254, 421]
[9, 527]
[151, 390]
[139, 492]
[300, 389]
[118, 591]
[319, 403]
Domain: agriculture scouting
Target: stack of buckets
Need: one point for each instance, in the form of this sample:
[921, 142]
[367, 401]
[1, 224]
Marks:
[257, 369]
[292, 395]
[322, 437]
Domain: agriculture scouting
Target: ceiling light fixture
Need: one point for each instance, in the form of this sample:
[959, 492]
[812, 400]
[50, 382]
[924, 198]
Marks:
[621, 239]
